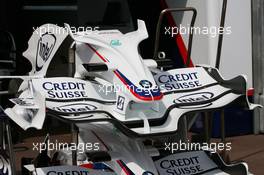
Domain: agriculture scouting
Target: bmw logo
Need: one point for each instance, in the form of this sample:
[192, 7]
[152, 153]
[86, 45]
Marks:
[145, 84]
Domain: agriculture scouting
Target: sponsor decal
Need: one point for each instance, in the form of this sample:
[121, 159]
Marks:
[179, 81]
[187, 163]
[115, 43]
[24, 102]
[120, 103]
[70, 170]
[65, 90]
[188, 100]
[195, 97]
[190, 164]
[75, 108]
[67, 173]
[45, 47]
[148, 173]
[145, 84]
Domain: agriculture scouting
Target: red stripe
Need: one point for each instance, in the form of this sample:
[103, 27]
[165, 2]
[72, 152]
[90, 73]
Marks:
[123, 167]
[88, 165]
[250, 92]
[178, 38]
[95, 51]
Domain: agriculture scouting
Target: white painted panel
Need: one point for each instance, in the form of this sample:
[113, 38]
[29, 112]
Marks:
[237, 47]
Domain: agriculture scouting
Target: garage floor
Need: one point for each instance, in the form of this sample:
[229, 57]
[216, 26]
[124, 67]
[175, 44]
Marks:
[248, 148]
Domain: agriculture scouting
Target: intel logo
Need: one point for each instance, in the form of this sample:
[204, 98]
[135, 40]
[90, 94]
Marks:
[75, 108]
[195, 100]
[45, 47]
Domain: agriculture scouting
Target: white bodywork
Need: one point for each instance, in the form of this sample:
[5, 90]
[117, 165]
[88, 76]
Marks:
[132, 93]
